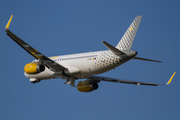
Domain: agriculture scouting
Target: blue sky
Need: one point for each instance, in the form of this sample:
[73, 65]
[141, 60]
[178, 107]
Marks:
[65, 27]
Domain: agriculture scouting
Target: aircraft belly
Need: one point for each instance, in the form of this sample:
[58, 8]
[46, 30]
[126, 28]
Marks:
[86, 66]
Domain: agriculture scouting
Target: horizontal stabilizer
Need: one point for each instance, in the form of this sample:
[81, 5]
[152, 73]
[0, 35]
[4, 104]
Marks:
[138, 58]
[113, 49]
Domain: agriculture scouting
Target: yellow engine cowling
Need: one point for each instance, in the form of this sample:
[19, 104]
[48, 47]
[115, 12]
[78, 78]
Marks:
[34, 68]
[87, 86]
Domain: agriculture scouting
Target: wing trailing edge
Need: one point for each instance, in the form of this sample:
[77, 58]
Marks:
[100, 78]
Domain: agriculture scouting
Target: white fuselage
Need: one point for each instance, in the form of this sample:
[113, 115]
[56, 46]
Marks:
[82, 65]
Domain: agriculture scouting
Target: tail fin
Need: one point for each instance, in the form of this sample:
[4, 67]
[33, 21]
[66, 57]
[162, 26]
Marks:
[127, 40]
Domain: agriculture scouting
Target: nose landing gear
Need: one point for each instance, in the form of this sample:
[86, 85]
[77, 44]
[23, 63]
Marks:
[34, 80]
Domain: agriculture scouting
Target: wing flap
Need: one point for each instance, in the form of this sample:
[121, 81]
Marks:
[36, 54]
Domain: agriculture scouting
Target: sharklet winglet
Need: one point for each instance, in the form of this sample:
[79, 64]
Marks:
[8, 24]
[170, 79]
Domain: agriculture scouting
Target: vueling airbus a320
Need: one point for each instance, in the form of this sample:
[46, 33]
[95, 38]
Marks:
[83, 65]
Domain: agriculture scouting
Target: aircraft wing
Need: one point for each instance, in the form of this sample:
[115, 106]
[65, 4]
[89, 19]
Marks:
[36, 54]
[99, 78]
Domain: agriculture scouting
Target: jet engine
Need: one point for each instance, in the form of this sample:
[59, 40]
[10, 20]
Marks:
[33, 68]
[87, 86]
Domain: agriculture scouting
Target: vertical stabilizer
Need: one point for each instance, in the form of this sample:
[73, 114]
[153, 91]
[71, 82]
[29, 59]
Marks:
[127, 40]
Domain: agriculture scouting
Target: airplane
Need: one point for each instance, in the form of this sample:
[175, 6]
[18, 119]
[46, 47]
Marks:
[83, 65]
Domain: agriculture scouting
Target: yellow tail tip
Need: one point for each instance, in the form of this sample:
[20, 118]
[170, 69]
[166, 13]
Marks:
[170, 79]
[8, 24]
